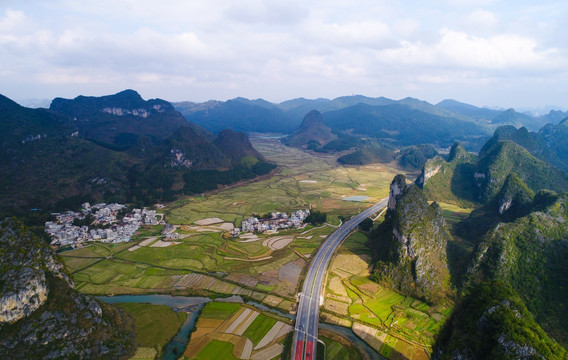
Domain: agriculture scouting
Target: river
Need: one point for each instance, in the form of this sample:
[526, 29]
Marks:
[193, 304]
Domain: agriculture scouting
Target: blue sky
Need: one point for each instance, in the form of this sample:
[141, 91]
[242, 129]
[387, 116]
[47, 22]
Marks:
[484, 52]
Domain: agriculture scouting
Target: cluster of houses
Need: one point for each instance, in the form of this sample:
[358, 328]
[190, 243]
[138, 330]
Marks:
[105, 225]
[277, 221]
[112, 224]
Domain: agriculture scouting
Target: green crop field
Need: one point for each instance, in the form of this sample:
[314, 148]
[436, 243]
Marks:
[453, 213]
[302, 180]
[219, 310]
[411, 325]
[206, 261]
[216, 350]
[155, 325]
[259, 327]
[335, 350]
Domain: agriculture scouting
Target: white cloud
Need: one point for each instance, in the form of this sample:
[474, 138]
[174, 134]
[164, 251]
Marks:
[482, 19]
[267, 48]
[269, 12]
[406, 28]
[495, 52]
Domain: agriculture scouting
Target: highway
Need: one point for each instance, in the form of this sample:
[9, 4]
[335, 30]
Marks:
[307, 316]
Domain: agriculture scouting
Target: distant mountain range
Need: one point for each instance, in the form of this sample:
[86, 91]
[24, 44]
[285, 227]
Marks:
[117, 147]
[402, 122]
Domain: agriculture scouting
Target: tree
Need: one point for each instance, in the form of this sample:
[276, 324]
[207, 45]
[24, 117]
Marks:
[316, 218]
[366, 224]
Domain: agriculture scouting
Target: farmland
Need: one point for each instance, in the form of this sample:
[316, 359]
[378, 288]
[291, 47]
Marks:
[303, 180]
[205, 260]
[233, 331]
[155, 325]
[390, 322]
[337, 348]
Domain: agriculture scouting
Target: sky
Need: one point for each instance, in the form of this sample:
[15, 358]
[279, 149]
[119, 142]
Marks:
[482, 52]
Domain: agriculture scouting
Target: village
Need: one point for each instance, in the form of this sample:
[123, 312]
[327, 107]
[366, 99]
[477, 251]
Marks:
[114, 223]
[276, 222]
[99, 222]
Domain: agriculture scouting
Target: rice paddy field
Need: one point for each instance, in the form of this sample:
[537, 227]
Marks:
[155, 325]
[266, 268]
[338, 348]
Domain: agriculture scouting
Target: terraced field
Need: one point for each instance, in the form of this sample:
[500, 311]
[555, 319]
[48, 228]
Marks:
[337, 348]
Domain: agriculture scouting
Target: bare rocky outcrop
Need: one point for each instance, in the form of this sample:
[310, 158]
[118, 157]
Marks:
[24, 288]
[32, 293]
[42, 316]
[431, 168]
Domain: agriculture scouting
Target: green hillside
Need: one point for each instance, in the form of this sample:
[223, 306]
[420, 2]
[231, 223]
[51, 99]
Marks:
[451, 181]
[529, 254]
[367, 154]
[113, 148]
[495, 164]
[471, 180]
[492, 322]
[312, 133]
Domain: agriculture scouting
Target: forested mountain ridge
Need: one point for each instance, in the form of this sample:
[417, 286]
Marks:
[116, 147]
[517, 236]
[471, 179]
[494, 323]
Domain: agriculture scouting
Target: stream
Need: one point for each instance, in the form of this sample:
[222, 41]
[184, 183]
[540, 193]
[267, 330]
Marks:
[189, 304]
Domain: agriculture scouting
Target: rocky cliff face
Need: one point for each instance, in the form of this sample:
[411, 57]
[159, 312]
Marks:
[41, 315]
[431, 168]
[416, 261]
[514, 198]
[24, 263]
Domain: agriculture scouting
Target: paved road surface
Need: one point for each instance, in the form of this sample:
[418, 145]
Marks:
[307, 317]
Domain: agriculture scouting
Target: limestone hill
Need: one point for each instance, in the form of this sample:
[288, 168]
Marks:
[469, 180]
[451, 181]
[42, 316]
[411, 244]
[312, 133]
[549, 144]
[113, 148]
